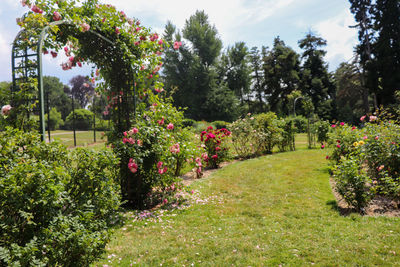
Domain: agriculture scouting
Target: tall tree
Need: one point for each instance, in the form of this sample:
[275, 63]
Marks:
[386, 49]
[349, 92]
[57, 96]
[362, 13]
[315, 79]
[189, 72]
[281, 67]
[257, 77]
[235, 70]
[82, 90]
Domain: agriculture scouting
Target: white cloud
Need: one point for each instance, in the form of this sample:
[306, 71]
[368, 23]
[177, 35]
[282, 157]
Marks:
[341, 39]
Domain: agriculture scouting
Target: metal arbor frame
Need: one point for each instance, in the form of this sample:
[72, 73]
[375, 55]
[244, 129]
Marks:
[33, 69]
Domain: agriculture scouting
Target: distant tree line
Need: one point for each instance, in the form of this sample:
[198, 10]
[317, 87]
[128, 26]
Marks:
[217, 84]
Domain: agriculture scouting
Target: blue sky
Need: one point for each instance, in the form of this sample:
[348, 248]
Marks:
[256, 22]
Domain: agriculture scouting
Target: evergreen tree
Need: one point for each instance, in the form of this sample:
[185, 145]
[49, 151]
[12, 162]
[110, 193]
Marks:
[315, 79]
[190, 72]
[386, 50]
[281, 66]
[235, 70]
[257, 77]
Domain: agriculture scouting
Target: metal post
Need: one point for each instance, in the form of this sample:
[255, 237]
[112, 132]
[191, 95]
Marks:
[94, 119]
[48, 115]
[73, 118]
[294, 105]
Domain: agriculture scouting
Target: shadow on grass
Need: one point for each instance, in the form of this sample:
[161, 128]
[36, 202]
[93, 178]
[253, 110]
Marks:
[342, 211]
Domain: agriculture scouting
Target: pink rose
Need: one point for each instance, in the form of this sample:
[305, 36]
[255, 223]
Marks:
[170, 126]
[56, 16]
[85, 27]
[5, 110]
[363, 118]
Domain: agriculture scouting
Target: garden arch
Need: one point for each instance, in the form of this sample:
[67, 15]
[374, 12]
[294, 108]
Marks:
[27, 69]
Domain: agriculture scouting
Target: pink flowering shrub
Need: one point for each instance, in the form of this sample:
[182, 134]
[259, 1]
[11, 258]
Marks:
[214, 141]
[366, 161]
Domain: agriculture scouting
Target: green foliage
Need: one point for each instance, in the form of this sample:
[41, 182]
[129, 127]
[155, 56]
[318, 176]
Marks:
[246, 139]
[300, 123]
[286, 142]
[268, 124]
[351, 182]
[82, 118]
[56, 95]
[222, 104]
[220, 124]
[322, 130]
[188, 122]
[234, 69]
[372, 152]
[153, 152]
[215, 146]
[56, 206]
[315, 80]
[281, 74]
[55, 119]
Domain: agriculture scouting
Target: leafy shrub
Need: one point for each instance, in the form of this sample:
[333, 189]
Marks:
[83, 119]
[286, 141]
[188, 122]
[216, 148]
[220, 124]
[153, 152]
[322, 129]
[55, 206]
[372, 151]
[268, 124]
[351, 182]
[246, 140]
[300, 123]
[55, 119]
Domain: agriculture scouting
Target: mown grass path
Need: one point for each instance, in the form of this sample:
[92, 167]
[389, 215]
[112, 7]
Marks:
[269, 211]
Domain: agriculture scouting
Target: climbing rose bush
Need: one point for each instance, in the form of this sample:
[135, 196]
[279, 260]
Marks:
[154, 152]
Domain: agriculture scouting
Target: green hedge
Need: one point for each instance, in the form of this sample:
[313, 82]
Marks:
[56, 206]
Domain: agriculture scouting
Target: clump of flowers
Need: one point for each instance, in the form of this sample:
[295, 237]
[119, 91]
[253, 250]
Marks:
[216, 149]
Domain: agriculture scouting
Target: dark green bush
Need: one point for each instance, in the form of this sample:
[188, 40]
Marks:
[221, 124]
[55, 119]
[83, 119]
[351, 182]
[188, 122]
[300, 123]
[268, 124]
[286, 141]
[56, 206]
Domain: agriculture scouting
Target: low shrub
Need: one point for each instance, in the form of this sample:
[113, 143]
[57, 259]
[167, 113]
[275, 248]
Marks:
[351, 182]
[56, 206]
[286, 140]
[268, 124]
[220, 124]
[370, 154]
[83, 119]
[246, 140]
[215, 146]
[188, 122]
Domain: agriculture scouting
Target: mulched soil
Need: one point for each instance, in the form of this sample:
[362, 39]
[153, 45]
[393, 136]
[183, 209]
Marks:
[379, 206]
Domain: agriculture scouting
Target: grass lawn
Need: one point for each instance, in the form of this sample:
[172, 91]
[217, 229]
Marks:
[83, 138]
[269, 211]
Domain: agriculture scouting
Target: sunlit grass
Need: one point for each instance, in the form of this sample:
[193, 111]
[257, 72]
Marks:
[268, 211]
[83, 138]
